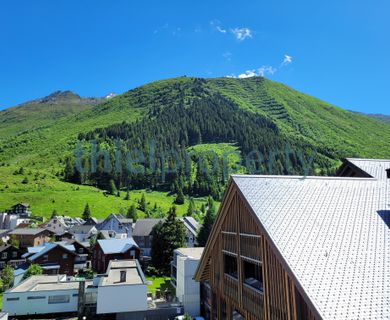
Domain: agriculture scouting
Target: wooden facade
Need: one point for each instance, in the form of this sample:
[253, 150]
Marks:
[242, 275]
[58, 260]
[101, 260]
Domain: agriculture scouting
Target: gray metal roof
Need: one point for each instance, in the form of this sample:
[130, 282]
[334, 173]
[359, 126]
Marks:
[376, 168]
[331, 232]
[27, 231]
[111, 246]
[82, 229]
[143, 227]
[41, 250]
[191, 224]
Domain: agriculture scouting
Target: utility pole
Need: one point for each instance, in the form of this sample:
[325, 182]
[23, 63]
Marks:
[81, 300]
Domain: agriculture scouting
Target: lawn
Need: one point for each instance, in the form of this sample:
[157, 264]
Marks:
[161, 283]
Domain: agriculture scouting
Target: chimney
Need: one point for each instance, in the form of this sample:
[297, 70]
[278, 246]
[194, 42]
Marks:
[123, 276]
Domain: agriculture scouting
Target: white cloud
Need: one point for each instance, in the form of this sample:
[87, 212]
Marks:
[264, 70]
[216, 24]
[286, 60]
[260, 72]
[220, 29]
[241, 33]
[247, 74]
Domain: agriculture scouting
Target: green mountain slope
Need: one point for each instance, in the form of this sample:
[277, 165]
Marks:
[43, 112]
[40, 135]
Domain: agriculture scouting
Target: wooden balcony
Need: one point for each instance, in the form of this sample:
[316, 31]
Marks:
[230, 285]
[253, 300]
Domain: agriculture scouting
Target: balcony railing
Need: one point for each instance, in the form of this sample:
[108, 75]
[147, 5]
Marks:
[252, 299]
[230, 285]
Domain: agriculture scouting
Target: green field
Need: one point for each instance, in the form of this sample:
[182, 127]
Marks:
[161, 283]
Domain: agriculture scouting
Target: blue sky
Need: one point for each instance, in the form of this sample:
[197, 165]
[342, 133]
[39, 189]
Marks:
[338, 51]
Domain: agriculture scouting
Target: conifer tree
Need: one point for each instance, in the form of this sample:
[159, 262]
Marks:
[191, 208]
[132, 213]
[166, 237]
[180, 197]
[207, 225]
[87, 212]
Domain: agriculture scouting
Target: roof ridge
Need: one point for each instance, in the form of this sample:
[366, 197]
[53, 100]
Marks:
[281, 177]
[367, 159]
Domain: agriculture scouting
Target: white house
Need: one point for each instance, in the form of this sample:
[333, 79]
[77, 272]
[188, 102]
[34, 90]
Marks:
[57, 225]
[183, 267]
[123, 289]
[11, 221]
[83, 233]
[122, 226]
[45, 294]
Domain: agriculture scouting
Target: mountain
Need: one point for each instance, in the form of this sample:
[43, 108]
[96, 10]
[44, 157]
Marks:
[43, 112]
[381, 117]
[182, 114]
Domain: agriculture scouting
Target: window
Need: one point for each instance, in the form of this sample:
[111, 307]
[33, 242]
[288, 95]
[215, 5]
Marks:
[252, 275]
[14, 254]
[81, 250]
[90, 297]
[65, 256]
[45, 257]
[59, 299]
[12, 299]
[2, 264]
[36, 297]
[4, 255]
[230, 265]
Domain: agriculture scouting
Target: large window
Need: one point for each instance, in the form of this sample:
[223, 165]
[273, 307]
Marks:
[59, 299]
[230, 265]
[252, 275]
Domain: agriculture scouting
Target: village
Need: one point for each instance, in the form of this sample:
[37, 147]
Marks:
[47, 266]
[250, 267]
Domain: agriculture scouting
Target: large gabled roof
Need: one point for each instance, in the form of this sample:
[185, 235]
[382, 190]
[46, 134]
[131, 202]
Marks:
[111, 246]
[331, 236]
[41, 250]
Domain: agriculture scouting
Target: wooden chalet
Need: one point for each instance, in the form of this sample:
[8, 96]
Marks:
[298, 248]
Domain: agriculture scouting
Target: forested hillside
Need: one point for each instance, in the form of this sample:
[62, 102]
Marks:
[254, 125]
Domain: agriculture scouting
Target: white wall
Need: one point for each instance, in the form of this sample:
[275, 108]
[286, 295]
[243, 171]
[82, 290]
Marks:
[187, 289]
[25, 306]
[121, 298]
